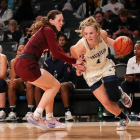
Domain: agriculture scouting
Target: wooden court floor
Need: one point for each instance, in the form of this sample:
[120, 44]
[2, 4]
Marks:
[74, 131]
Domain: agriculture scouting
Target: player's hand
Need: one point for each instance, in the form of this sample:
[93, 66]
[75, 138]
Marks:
[79, 72]
[80, 64]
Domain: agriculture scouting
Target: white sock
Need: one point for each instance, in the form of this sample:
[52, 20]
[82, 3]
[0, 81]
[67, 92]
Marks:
[38, 112]
[49, 116]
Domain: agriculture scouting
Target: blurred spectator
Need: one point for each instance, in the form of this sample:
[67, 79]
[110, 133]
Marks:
[110, 15]
[17, 85]
[114, 5]
[74, 4]
[133, 7]
[131, 84]
[125, 25]
[5, 14]
[99, 16]
[86, 9]
[64, 74]
[38, 18]
[24, 11]
[3, 85]
[27, 34]
[67, 7]
[105, 2]
[63, 42]
[13, 34]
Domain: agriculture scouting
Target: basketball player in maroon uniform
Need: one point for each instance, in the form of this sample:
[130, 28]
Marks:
[26, 66]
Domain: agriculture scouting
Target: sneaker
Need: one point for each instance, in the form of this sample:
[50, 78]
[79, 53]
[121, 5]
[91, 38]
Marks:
[2, 115]
[125, 99]
[11, 116]
[68, 116]
[123, 124]
[40, 123]
[27, 115]
[53, 123]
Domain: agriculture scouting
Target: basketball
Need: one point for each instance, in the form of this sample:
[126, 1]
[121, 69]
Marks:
[123, 45]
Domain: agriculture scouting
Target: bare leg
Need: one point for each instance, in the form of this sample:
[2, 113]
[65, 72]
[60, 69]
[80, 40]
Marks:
[64, 89]
[12, 89]
[102, 96]
[2, 99]
[37, 94]
[29, 93]
[50, 85]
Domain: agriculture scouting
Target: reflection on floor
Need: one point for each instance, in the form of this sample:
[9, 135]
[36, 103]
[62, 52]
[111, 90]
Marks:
[74, 131]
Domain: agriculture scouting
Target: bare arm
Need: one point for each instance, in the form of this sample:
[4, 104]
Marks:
[77, 50]
[107, 40]
[3, 66]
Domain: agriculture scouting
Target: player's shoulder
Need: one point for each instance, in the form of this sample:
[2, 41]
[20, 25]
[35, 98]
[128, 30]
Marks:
[48, 28]
[104, 35]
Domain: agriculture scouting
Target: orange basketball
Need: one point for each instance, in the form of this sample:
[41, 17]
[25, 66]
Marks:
[123, 45]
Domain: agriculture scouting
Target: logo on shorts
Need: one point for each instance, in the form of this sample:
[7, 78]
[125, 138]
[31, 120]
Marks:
[133, 68]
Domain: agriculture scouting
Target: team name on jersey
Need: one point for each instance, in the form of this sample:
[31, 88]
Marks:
[97, 54]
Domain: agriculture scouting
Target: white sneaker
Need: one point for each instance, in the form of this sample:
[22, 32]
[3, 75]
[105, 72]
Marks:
[11, 116]
[27, 115]
[68, 116]
[2, 116]
[123, 124]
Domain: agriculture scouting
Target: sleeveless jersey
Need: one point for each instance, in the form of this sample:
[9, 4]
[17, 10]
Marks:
[97, 63]
[96, 57]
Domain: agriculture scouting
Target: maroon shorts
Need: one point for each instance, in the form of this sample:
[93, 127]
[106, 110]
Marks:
[27, 69]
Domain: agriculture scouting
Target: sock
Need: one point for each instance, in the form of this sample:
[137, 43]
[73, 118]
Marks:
[49, 116]
[13, 108]
[30, 108]
[67, 109]
[122, 115]
[2, 109]
[37, 112]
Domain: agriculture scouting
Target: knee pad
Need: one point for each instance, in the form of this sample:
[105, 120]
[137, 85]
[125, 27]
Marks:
[3, 85]
[113, 91]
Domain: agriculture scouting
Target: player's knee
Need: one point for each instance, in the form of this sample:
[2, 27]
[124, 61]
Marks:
[113, 91]
[2, 86]
[115, 95]
[58, 85]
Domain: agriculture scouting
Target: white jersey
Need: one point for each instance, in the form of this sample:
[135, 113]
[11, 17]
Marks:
[97, 63]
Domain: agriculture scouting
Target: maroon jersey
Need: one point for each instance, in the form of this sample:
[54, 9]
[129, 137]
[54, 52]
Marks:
[43, 39]
[28, 68]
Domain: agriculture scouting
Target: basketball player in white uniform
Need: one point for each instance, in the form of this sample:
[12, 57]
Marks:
[100, 73]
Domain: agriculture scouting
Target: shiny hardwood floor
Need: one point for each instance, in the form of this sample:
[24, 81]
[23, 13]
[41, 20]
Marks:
[74, 131]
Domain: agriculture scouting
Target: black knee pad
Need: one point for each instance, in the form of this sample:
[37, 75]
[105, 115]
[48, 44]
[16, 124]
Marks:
[3, 85]
[113, 91]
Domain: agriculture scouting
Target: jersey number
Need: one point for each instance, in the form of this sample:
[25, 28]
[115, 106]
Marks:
[98, 61]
